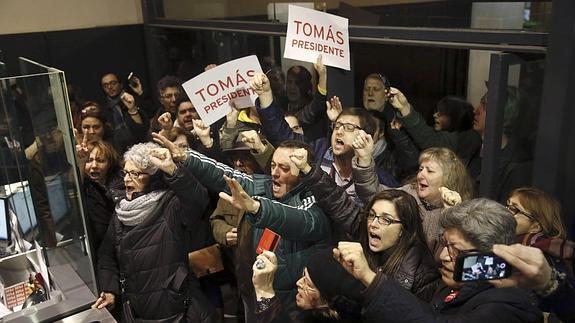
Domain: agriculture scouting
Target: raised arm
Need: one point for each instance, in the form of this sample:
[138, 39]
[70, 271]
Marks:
[209, 172]
[312, 114]
[274, 125]
[261, 149]
[363, 168]
[423, 135]
[335, 202]
[305, 222]
[180, 180]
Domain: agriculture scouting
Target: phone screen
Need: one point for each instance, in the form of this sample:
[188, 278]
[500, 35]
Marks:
[481, 266]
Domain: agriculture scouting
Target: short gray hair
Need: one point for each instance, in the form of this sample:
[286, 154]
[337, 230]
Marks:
[482, 222]
[139, 154]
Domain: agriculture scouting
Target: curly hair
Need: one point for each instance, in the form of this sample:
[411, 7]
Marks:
[482, 222]
[139, 154]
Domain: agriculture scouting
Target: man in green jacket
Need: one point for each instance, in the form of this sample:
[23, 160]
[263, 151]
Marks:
[278, 202]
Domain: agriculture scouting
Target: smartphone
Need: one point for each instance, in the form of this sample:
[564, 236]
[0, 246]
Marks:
[268, 241]
[132, 80]
[480, 266]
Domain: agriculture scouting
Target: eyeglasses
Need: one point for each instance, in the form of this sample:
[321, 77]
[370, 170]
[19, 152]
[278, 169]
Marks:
[347, 127]
[515, 210]
[111, 83]
[451, 250]
[381, 219]
[133, 174]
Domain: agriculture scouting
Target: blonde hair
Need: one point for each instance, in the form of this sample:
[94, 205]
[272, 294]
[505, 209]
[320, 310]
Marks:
[544, 207]
[455, 175]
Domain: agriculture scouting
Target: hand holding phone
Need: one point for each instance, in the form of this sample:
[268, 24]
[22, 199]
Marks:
[268, 241]
[135, 83]
[480, 266]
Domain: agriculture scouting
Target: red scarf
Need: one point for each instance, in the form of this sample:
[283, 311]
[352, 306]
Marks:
[555, 247]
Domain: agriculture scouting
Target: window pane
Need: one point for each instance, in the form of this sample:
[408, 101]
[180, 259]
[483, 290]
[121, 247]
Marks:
[407, 13]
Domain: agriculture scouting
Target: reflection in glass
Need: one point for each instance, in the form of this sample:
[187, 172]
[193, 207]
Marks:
[39, 185]
[416, 13]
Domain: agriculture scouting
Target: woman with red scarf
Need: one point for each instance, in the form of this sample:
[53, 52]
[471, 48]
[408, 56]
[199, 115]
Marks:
[539, 225]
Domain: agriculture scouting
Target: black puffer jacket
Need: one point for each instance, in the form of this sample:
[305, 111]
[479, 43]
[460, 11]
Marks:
[385, 301]
[417, 272]
[152, 256]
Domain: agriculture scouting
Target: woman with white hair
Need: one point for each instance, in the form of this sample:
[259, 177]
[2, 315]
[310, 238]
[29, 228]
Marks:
[143, 262]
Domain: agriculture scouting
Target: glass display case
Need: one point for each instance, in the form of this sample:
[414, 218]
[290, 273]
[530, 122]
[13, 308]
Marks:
[46, 269]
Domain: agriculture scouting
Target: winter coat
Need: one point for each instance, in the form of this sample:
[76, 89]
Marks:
[147, 264]
[466, 144]
[417, 273]
[297, 218]
[99, 210]
[367, 186]
[278, 130]
[386, 301]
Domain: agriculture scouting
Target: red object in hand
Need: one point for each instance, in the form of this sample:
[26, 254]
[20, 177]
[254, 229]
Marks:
[268, 241]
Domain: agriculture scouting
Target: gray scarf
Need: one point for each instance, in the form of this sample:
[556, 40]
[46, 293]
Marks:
[136, 211]
[379, 147]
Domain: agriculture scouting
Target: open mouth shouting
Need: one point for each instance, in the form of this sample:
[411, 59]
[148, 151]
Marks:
[130, 189]
[339, 144]
[276, 187]
[94, 175]
[374, 241]
[422, 187]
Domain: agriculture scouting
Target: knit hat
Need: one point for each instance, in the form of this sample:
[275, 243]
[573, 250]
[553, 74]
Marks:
[331, 279]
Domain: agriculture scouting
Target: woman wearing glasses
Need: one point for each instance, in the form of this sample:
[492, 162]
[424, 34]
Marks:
[539, 225]
[143, 265]
[478, 225]
[389, 229]
[438, 167]
[391, 235]
[538, 215]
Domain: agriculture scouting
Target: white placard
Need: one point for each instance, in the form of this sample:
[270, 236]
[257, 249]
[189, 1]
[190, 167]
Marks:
[213, 91]
[311, 33]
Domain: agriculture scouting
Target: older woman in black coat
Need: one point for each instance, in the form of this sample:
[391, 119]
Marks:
[143, 260]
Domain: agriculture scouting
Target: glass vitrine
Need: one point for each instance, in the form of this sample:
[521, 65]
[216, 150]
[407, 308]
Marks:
[43, 240]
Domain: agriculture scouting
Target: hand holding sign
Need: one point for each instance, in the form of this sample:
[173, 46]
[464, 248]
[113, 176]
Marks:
[312, 32]
[213, 91]
[321, 72]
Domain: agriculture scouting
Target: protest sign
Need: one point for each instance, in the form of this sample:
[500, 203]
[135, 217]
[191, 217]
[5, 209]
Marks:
[311, 33]
[213, 91]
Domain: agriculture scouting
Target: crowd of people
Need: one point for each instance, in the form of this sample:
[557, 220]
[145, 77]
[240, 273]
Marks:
[372, 206]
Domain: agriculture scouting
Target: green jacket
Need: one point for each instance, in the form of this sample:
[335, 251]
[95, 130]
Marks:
[466, 144]
[297, 218]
